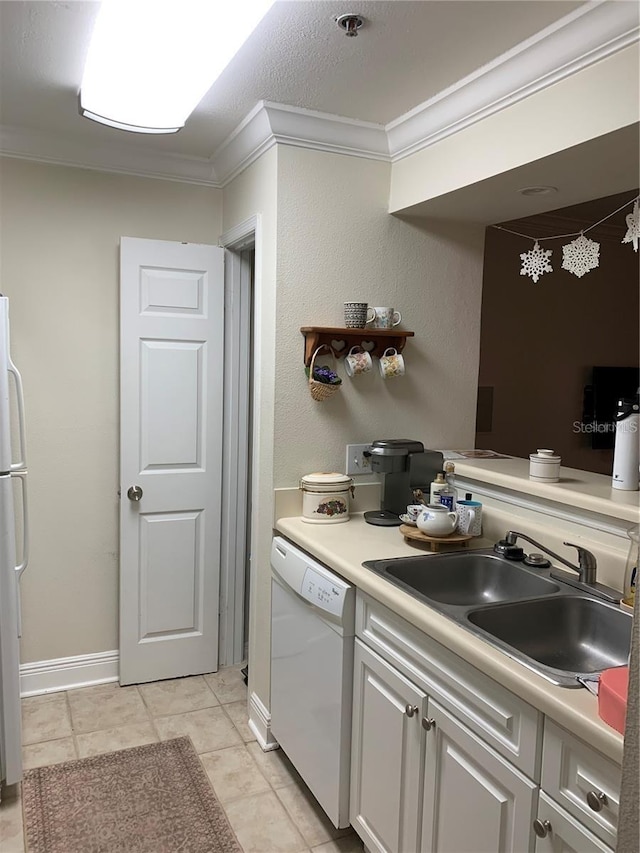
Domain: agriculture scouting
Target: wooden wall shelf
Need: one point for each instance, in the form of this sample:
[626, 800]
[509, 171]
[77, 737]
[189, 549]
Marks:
[340, 341]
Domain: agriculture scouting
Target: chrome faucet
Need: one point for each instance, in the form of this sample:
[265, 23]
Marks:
[586, 568]
[587, 564]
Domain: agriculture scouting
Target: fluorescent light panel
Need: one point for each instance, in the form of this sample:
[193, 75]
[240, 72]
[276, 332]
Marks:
[151, 62]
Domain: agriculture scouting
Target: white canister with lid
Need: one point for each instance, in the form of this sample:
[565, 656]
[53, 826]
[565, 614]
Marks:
[325, 497]
[544, 466]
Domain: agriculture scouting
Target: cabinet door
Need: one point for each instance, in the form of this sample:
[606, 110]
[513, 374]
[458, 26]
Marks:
[386, 758]
[563, 832]
[474, 800]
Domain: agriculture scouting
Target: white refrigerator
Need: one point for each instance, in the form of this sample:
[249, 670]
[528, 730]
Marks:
[13, 556]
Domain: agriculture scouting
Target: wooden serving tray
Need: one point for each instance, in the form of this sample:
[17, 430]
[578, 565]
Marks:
[434, 543]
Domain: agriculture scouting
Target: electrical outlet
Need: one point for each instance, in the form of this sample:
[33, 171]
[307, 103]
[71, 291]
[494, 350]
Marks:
[357, 462]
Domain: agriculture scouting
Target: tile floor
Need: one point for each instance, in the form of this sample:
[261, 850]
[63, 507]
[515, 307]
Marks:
[268, 804]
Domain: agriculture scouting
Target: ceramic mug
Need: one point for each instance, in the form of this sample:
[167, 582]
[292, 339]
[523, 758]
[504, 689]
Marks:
[437, 520]
[469, 517]
[383, 318]
[391, 363]
[414, 510]
[357, 361]
[356, 315]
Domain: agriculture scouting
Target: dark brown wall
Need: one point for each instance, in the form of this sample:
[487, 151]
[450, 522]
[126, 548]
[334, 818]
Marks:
[540, 340]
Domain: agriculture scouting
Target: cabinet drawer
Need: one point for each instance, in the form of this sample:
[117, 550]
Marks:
[510, 725]
[564, 833]
[573, 774]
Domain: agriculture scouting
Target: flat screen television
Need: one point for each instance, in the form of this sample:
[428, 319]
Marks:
[608, 384]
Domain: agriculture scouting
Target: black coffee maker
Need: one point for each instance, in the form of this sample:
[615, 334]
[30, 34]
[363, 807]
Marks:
[405, 466]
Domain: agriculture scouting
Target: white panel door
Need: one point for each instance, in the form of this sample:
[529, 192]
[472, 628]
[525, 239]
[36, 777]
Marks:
[386, 757]
[474, 800]
[171, 393]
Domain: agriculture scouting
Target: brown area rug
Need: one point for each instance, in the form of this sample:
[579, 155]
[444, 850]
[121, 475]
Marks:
[148, 799]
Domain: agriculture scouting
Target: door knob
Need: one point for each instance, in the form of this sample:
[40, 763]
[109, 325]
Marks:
[410, 710]
[134, 493]
[428, 723]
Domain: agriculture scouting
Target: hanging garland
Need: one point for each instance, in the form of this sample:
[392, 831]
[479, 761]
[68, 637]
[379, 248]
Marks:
[581, 255]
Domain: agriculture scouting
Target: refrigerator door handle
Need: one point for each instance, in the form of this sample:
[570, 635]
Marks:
[25, 524]
[22, 460]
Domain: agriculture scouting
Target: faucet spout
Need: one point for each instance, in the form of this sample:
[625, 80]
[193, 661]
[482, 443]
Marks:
[586, 568]
[587, 564]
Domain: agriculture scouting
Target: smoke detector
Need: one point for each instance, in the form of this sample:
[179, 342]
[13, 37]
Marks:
[350, 23]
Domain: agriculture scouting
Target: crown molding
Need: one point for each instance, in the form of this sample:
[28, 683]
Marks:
[269, 124]
[578, 40]
[585, 36]
[27, 144]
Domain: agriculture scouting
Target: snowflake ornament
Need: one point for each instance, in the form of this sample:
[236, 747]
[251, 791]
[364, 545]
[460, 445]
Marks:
[536, 262]
[581, 256]
[633, 227]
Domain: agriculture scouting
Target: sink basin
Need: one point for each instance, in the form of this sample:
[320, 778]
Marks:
[467, 578]
[545, 624]
[566, 632]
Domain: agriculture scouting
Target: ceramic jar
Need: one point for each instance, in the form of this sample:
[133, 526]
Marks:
[544, 466]
[325, 497]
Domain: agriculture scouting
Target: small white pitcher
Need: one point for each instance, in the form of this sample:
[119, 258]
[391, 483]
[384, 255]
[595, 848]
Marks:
[436, 520]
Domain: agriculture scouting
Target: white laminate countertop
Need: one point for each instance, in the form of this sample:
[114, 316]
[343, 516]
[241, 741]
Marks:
[344, 547]
[581, 489]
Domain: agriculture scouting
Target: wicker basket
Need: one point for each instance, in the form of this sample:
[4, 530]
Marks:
[321, 391]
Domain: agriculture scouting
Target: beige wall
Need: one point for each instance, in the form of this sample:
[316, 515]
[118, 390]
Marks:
[60, 232]
[602, 98]
[335, 241]
[255, 192]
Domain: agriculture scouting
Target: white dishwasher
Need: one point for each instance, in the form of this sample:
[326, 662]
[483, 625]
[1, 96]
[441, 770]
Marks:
[312, 628]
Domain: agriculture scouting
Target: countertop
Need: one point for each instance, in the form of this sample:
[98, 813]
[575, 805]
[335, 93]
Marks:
[344, 547]
[582, 489]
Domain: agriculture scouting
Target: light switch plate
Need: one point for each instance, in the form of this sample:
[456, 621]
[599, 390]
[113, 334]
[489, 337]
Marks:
[356, 462]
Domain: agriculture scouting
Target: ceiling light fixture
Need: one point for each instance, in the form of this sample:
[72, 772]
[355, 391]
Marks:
[350, 23]
[151, 62]
[538, 190]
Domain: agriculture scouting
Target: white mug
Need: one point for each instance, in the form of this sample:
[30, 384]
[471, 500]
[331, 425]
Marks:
[469, 517]
[391, 363]
[383, 318]
[357, 361]
[436, 520]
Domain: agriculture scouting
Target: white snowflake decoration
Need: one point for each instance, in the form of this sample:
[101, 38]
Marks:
[536, 262]
[581, 256]
[633, 227]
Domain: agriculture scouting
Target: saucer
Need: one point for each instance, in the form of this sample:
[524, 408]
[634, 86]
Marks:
[405, 519]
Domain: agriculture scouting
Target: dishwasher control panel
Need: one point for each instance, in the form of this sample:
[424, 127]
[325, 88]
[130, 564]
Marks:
[322, 592]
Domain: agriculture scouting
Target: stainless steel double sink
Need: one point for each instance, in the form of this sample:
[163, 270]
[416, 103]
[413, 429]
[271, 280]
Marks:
[556, 630]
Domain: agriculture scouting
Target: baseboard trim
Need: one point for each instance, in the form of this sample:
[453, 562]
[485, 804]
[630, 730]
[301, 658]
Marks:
[260, 724]
[51, 676]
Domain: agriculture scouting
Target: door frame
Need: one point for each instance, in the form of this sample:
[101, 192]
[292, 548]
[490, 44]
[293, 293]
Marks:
[239, 283]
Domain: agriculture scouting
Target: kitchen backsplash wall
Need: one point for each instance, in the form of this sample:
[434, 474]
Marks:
[336, 242]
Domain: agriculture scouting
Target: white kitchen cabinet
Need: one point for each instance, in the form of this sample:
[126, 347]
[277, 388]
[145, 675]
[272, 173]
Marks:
[474, 800]
[387, 754]
[562, 833]
[421, 781]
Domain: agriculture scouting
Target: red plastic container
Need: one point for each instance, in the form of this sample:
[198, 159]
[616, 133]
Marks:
[612, 696]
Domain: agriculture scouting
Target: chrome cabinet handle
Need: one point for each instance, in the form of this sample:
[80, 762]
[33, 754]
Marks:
[596, 800]
[410, 710]
[134, 493]
[428, 723]
[541, 827]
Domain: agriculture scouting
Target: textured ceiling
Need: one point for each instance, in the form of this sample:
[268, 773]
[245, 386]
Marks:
[405, 53]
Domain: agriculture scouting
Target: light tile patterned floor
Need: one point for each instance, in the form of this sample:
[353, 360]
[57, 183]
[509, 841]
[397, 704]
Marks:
[268, 804]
